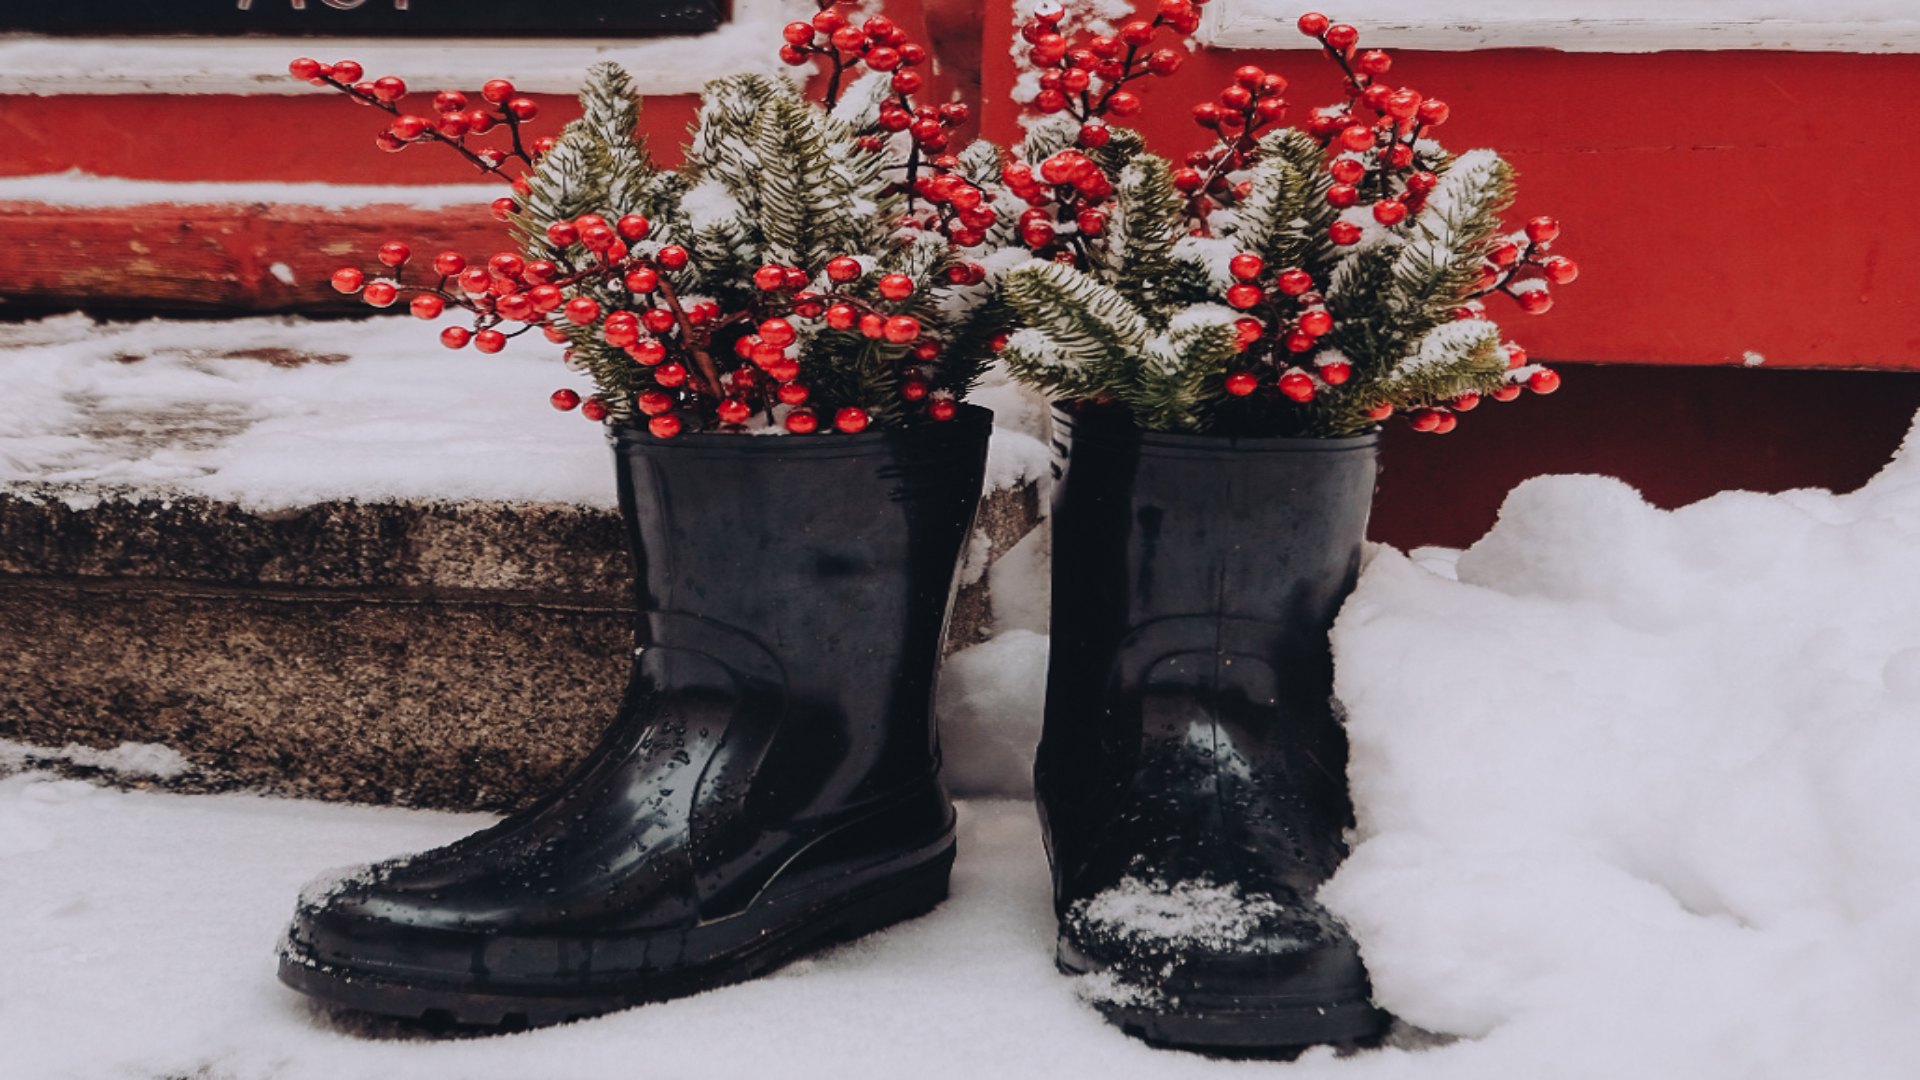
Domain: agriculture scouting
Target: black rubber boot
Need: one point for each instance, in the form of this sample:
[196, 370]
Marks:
[1192, 772]
[770, 783]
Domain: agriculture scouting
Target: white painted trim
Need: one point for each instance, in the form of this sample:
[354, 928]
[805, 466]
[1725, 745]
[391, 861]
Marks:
[78, 189]
[45, 65]
[1462, 25]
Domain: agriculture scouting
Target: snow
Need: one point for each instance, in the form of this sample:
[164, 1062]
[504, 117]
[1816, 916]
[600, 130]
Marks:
[1636, 791]
[386, 414]
[129, 760]
[378, 410]
[1188, 914]
[76, 188]
[1578, 25]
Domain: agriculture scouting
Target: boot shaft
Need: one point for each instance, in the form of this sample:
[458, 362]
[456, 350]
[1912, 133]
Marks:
[1189, 692]
[813, 574]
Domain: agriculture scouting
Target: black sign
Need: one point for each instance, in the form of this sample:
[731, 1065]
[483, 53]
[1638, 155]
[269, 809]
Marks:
[380, 18]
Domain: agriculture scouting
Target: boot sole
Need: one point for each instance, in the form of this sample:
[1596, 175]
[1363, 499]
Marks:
[1235, 1024]
[831, 919]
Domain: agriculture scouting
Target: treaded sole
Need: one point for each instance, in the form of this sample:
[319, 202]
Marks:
[906, 895]
[1237, 1025]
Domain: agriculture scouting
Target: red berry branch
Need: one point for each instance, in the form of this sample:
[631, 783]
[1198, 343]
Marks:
[1376, 171]
[600, 287]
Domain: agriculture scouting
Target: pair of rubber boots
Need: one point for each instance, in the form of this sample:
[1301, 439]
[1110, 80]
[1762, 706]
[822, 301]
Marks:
[771, 783]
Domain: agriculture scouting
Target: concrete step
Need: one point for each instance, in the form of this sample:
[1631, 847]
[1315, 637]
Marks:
[182, 572]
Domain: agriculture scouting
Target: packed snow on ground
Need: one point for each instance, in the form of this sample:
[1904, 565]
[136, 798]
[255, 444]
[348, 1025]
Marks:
[278, 412]
[1635, 799]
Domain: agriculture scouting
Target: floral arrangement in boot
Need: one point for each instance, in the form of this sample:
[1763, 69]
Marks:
[1306, 281]
[807, 269]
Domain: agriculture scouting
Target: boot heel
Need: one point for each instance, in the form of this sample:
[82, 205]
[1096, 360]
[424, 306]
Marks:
[909, 896]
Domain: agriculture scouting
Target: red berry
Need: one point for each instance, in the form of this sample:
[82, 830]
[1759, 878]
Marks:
[1543, 230]
[1294, 282]
[896, 286]
[489, 341]
[1344, 233]
[1533, 301]
[843, 269]
[1357, 137]
[1423, 419]
[664, 427]
[504, 209]
[842, 316]
[1347, 170]
[1316, 323]
[1244, 296]
[1342, 36]
[1341, 196]
[497, 90]
[1297, 385]
[1466, 402]
[1335, 373]
[642, 280]
[304, 68]
[1313, 24]
[1124, 103]
[913, 389]
[672, 257]
[802, 422]
[523, 108]
[594, 409]
[582, 310]
[1094, 136]
[389, 88]
[648, 352]
[1242, 383]
[380, 293]
[906, 81]
[777, 332]
[1506, 393]
[653, 402]
[634, 227]
[1544, 381]
[733, 411]
[1380, 411]
[1561, 270]
[1246, 267]
[1165, 62]
[507, 265]
[427, 306]
[670, 375]
[1091, 222]
[563, 234]
[455, 337]
[852, 420]
[348, 280]
[901, 329]
[1433, 112]
[565, 400]
[942, 410]
[769, 277]
[1447, 422]
[797, 33]
[1373, 62]
[1389, 211]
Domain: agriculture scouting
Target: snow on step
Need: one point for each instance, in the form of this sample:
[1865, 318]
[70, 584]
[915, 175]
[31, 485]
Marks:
[276, 413]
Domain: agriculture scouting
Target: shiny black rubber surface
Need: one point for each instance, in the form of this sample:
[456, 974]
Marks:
[1191, 739]
[770, 781]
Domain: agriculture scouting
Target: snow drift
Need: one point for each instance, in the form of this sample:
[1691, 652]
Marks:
[1637, 792]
